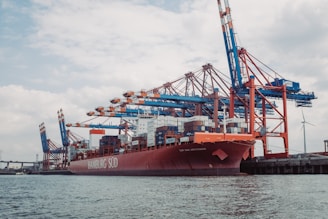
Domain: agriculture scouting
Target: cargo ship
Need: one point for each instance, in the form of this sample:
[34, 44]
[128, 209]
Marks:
[164, 149]
[181, 131]
[182, 127]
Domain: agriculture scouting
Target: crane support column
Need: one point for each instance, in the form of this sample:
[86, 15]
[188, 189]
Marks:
[252, 105]
[232, 103]
[264, 128]
[285, 134]
[216, 109]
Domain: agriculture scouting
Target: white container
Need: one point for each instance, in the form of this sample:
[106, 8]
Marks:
[136, 142]
[170, 140]
[150, 143]
[184, 139]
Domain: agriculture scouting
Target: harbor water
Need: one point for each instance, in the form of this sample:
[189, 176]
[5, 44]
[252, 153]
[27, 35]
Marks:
[258, 196]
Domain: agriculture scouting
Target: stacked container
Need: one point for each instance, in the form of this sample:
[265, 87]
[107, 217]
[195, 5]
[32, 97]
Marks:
[95, 136]
[142, 126]
[109, 144]
[162, 132]
[139, 142]
[160, 122]
[125, 139]
[236, 125]
[197, 124]
[163, 129]
[151, 133]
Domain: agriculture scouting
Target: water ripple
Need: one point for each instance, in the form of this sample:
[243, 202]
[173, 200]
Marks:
[35, 196]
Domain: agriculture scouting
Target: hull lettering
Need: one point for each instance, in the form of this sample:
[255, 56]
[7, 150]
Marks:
[103, 163]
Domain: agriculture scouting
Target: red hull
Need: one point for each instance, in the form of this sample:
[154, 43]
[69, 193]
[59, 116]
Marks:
[192, 159]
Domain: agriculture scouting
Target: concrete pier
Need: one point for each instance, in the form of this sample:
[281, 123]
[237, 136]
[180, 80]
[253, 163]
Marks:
[297, 164]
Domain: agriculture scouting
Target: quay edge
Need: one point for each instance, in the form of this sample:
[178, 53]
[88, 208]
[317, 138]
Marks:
[309, 164]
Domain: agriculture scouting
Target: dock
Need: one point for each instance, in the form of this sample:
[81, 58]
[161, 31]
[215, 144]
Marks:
[34, 169]
[297, 164]
[7, 172]
[53, 172]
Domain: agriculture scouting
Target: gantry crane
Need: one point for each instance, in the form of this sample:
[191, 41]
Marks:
[64, 136]
[247, 92]
[190, 95]
[51, 150]
[246, 74]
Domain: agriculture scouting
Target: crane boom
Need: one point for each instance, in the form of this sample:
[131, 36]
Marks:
[101, 126]
[43, 135]
[230, 45]
[62, 127]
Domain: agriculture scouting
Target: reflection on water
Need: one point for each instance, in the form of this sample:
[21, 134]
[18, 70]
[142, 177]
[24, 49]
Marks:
[281, 196]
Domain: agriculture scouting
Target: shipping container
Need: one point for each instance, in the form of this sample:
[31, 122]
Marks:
[170, 141]
[184, 139]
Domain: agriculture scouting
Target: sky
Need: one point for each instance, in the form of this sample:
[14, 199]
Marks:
[77, 55]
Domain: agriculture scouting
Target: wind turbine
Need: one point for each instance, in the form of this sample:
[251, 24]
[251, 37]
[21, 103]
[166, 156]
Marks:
[304, 133]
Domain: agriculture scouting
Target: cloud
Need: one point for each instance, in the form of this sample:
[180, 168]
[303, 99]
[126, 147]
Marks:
[102, 33]
[21, 112]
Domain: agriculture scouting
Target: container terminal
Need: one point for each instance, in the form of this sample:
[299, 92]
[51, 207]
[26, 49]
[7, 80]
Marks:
[203, 123]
